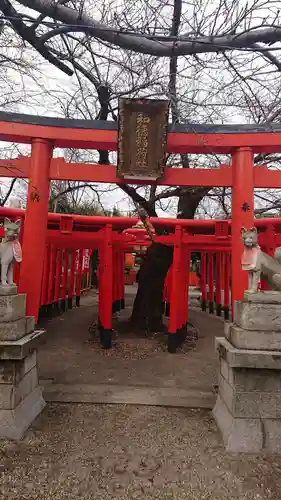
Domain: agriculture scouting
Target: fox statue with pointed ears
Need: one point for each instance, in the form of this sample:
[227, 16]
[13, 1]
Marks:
[10, 251]
[259, 264]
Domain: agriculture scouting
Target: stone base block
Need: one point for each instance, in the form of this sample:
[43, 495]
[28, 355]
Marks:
[272, 435]
[265, 297]
[8, 290]
[250, 404]
[239, 434]
[14, 423]
[12, 307]
[247, 435]
[12, 372]
[11, 395]
[246, 358]
[248, 407]
[253, 315]
[21, 348]
[252, 339]
[253, 389]
[247, 380]
[15, 330]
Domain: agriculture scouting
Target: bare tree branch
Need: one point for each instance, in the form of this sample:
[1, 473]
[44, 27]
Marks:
[9, 192]
[29, 35]
[159, 46]
[130, 191]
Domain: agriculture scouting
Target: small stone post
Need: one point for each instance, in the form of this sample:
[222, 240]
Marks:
[248, 406]
[21, 398]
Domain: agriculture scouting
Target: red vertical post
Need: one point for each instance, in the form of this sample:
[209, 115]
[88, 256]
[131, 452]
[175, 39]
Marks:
[242, 215]
[122, 302]
[71, 278]
[106, 288]
[226, 285]
[79, 278]
[35, 226]
[119, 278]
[211, 282]
[118, 282]
[64, 278]
[182, 306]
[51, 277]
[115, 301]
[46, 267]
[58, 276]
[218, 282]
[187, 278]
[203, 272]
[173, 335]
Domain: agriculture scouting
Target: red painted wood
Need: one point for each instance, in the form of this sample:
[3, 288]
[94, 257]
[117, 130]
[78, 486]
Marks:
[35, 226]
[107, 139]
[203, 271]
[106, 279]
[58, 274]
[45, 279]
[65, 272]
[242, 215]
[51, 275]
[176, 283]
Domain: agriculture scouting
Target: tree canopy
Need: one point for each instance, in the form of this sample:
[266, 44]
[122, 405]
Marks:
[216, 61]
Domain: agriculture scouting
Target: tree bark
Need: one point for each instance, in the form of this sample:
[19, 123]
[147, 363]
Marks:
[147, 309]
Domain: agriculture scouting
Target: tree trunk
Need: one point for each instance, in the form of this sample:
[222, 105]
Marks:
[147, 309]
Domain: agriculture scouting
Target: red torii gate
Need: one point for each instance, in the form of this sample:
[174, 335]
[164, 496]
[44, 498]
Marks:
[45, 134]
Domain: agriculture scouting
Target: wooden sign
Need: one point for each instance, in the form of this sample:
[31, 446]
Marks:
[142, 138]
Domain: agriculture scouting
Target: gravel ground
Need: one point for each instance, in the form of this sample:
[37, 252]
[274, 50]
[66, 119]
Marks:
[100, 452]
[105, 452]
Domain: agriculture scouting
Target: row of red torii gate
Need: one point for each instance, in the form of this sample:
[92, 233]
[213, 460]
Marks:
[66, 261]
[49, 239]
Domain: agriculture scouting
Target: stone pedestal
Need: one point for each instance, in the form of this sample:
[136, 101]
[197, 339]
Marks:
[248, 407]
[21, 398]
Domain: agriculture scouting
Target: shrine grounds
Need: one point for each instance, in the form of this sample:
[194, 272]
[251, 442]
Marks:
[82, 448]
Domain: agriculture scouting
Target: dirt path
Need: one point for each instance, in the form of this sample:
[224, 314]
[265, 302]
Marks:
[68, 357]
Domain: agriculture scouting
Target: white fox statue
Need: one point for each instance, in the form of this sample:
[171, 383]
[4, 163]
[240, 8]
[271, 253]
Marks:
[10, 251]
[259, 264]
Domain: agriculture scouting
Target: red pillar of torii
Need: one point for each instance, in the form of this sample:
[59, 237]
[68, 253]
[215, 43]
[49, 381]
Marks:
[35, 225]
[242, 214]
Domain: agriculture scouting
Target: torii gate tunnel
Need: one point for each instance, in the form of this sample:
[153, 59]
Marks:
[46, 134]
